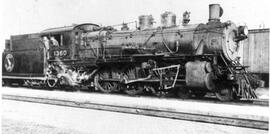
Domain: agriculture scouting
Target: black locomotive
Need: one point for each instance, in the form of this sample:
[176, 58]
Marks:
[186, 59]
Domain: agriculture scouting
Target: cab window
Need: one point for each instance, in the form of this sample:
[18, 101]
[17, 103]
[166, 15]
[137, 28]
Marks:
[56, 40]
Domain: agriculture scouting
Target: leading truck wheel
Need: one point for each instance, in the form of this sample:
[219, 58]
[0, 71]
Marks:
[224, 94]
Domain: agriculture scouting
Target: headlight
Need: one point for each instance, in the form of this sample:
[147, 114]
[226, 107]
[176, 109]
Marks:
[243, 30]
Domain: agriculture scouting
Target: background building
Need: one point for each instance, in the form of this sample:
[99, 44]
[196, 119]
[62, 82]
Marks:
[256, 53]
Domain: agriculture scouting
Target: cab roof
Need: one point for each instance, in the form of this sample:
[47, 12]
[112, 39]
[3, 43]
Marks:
[65, 28]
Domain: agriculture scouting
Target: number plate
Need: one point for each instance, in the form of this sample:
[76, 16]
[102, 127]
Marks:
[60, 53]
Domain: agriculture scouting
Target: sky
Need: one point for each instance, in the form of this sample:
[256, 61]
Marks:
[31, 16]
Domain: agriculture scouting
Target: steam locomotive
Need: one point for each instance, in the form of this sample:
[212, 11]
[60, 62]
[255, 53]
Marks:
[186, 59]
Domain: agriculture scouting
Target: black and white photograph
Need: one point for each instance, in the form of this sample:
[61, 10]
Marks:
[134, 66]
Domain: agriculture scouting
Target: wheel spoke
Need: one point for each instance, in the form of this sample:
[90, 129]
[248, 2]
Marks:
[108, 87]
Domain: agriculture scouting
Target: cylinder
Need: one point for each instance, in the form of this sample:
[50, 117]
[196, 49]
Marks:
[168, 19]
[146, 22]
[198, 76]
[215, 12]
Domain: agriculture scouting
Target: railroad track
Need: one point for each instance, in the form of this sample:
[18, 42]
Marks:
[148, 111]
[209, 98]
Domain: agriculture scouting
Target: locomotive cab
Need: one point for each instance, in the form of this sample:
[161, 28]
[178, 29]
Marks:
[86, 45]
[65, 42]
[59, 42]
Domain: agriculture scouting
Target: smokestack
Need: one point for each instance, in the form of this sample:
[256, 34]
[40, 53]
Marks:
[215, 12]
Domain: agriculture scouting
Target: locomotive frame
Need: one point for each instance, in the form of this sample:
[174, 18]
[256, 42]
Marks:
[184, 60]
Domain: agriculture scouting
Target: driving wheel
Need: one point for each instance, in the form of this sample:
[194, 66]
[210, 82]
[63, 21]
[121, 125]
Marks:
[104, 86]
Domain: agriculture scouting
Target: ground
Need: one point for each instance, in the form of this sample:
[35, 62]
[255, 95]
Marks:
[10, 126]
[27, 118]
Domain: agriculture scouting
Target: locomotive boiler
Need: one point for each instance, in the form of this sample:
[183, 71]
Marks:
[186, 59]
